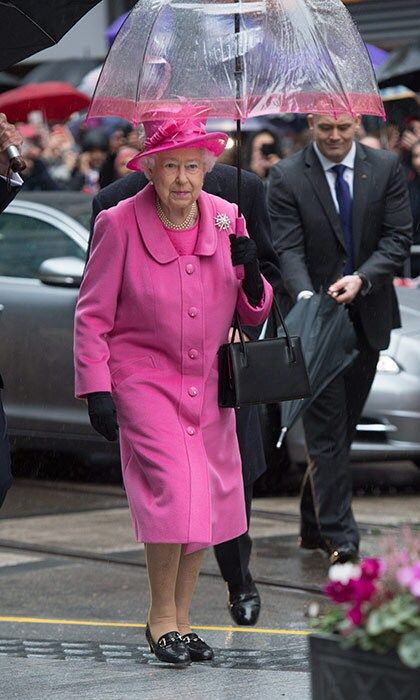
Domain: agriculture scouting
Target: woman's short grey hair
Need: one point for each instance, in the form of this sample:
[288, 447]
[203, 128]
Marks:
[209, 161]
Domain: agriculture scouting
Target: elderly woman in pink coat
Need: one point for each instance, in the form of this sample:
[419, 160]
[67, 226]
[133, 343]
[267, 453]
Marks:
[157, 300]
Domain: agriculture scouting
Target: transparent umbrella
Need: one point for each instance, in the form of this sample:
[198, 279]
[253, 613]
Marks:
[222, 58]
[236, 59]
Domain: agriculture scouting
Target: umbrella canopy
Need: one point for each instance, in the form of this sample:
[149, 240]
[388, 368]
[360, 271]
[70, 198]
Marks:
[8, 81]
[377, 56]
[71, 70]
[236, 59]
[56, 100]
[115, 27]
[400, 104]
[319, 322]
[402, 68]
[28, 26]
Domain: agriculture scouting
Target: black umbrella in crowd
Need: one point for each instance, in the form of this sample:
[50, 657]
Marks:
[68, 70]
[329, 346]
[28, 26]
[402, 68]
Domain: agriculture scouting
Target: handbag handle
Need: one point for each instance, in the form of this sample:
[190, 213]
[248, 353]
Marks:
[278, 320]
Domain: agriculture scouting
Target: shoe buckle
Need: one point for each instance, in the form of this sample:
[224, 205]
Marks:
[162, 642]
[186, 639]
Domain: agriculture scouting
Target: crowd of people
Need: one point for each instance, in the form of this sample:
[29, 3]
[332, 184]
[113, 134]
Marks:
[82, 158]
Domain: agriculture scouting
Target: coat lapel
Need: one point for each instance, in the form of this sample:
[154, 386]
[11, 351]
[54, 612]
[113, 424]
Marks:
[315, 173]
[154, 236]
[361, 187]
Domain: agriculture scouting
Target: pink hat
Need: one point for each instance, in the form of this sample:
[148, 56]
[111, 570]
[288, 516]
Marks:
[171, 134]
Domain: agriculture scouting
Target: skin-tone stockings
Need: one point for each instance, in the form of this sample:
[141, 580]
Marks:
[172, 580]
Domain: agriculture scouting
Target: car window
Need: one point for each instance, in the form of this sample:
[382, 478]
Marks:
[25, 242]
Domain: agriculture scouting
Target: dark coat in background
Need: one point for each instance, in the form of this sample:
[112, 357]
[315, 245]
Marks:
[6, 196]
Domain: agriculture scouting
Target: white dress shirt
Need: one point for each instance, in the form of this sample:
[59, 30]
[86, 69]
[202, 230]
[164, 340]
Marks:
[331, 176]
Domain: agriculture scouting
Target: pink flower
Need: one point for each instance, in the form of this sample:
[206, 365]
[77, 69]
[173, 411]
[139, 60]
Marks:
[340, 592]
[355, 615]
[371, 568]
[409, 577]
[363, 590]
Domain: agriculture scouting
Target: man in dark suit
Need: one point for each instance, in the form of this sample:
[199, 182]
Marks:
[9, 136]
[233, 556]
[341, 223]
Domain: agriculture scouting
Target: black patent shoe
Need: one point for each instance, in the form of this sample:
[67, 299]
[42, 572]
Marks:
[170, 648]
[244, 604]
[197, 647]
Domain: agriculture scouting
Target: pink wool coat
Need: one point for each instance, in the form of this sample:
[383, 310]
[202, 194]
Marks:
[148, 326]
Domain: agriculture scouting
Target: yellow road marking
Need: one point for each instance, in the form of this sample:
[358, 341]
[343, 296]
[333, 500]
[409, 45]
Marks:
[93, 623]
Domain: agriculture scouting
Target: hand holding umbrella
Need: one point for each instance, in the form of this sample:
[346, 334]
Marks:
[10, 141]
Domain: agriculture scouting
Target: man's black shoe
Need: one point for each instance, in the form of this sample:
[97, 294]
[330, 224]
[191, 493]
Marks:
[343, 554]
[244, 604]
[337, 554]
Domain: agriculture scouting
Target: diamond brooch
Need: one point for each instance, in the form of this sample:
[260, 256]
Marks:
[222, 221]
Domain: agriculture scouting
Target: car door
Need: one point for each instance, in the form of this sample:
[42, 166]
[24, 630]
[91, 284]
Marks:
[36, 323]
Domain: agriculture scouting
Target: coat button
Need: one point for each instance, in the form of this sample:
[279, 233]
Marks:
[193, 391]
[193, 353]
[189, 268]
[191, 430]
[192, 311]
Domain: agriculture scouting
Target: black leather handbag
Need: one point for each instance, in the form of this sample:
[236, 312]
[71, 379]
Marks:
[262, 371]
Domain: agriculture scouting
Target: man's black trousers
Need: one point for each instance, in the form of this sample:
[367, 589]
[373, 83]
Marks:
[5, 466]
[330, 427]
[233, 556]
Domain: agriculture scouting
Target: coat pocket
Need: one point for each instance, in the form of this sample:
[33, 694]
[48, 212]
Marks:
[133, 366]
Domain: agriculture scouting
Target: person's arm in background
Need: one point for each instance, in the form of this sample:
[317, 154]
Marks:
[258, 227]
[9, 136]
[288, 234]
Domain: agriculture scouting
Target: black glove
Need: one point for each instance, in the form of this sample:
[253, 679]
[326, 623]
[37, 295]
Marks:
[244, 252]
[103, 414]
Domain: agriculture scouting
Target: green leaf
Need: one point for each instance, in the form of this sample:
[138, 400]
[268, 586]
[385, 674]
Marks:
[409, 649]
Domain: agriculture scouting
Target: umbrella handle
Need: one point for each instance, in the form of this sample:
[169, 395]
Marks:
[281, 438]
[240, 231]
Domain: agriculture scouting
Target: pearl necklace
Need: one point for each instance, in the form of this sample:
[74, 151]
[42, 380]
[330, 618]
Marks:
[187, 223]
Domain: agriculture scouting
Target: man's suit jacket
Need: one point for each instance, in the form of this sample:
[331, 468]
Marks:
[308, 236]
[221, 181]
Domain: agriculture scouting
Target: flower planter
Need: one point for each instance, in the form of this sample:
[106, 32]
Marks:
[353, 674]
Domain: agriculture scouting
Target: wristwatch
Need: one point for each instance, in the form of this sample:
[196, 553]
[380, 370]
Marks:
[366, 285]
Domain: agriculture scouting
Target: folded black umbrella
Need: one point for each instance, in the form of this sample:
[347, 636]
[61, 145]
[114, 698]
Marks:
[402, 67]
[329, 346]
[28, 26]
[67, 70]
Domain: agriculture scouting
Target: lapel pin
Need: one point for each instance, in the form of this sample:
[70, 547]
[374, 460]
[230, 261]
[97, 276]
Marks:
[364, 177]
[222, 221]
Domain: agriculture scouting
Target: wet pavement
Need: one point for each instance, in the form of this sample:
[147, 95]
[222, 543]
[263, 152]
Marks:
[74, 597]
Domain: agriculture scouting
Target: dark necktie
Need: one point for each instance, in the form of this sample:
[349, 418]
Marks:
[344, 199]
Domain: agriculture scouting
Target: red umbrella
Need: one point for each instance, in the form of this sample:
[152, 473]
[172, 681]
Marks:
[56, 100]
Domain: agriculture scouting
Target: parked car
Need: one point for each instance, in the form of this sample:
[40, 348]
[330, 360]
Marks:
[43, 243]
